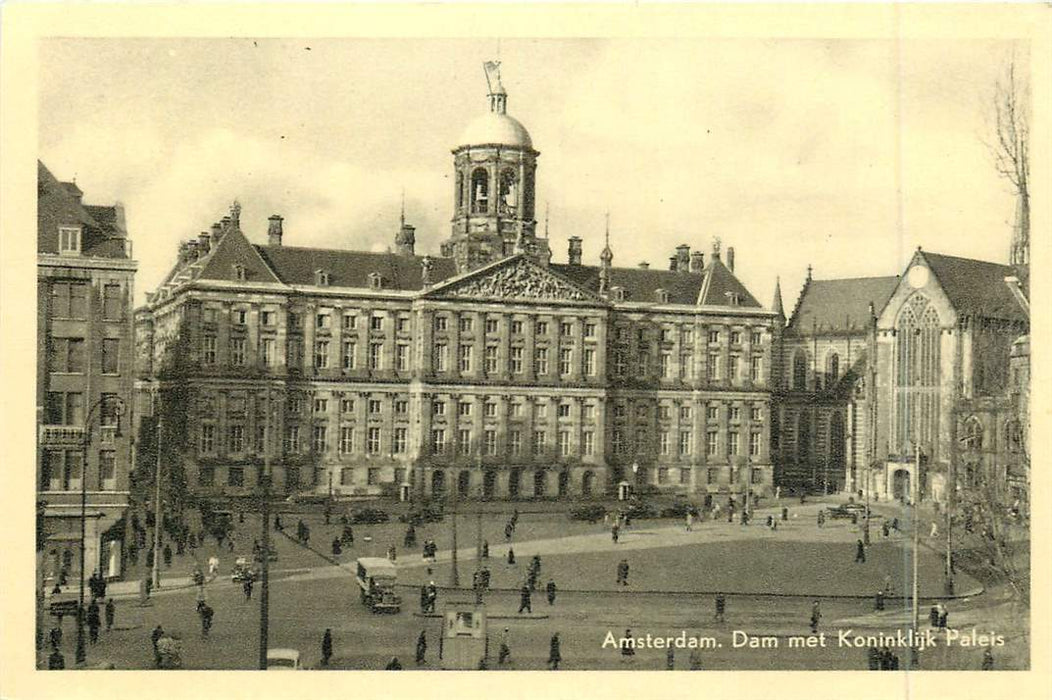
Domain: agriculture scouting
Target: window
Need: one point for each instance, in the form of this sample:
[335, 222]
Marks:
[641, 412]
[375, 355]
[321, 405]
[267, 352]
[208, 439]
[734, 414]
[563, 441]
[208, 314]
[756, 337]
[515, 361]
[619, 411]
[539, 439]
[321, 277]
[438, 441]
[261, 438]
[588, 443]
[441, 358]
[206, 405]
[237, 352]
[236, 439]
[711, 443]
[684, 412]
[662, 475]
[376, 323]
[643, 364]
[754, 444]
[401, 407]
[542, 328]
[67, 355]
[441, 323]
[294, 353]
[712, 412]
[665, 362]
[732, 442]
[292, 477]
[685, 367]
[516, 327]
[565, 361]
[685, 442]
[736, 337]
[295, 320]
[401, 357]
[372, 476]
[372, 444]
[515, 442]
[541, 410]
[346, 405]
[318, 440]
[589, 361]
[464, 357]
[684, 475]
[491, 325]
[321, 354]
[463, 409]
[732, 367]
[68, 240]
[540, 361]
[266, 317]
[714, 336]
[235, 476]
[69, 300]
[665, 335]
[239, 316]
[516, 410]
[489, 409]
[800, 370]
[714, 367]
[111, 302]
[565, 328]
[491, 358]
[588, 412]
[347, 477]
[620, 364]
[464, 442]
[489, 442]
[663, 442]
[479, 191]
[438, 408]
[346, 440]
[292, 439]
[687, 337]
[617, 442]
[712, 475]
[350, 321]
[755, 414]
[663, 412]
[589, 330]
[206, 476]
[641, 336]
[467, 324]
[295, 405]
[622, 334]
[323, 321]
[756, 369]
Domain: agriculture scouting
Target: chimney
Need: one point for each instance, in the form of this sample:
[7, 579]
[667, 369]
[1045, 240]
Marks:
[225, 223]
[184, 252]
[274, 230]
[405, 241]
[683, 257]
[673, 262]
[716, 250]
[204, 242]
[644, 266]
[191, 250]
[575, 250]
[217, 233]
[697, 261]
[730, 258]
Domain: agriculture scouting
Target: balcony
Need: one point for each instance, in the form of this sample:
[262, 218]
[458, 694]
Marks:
[61, 435]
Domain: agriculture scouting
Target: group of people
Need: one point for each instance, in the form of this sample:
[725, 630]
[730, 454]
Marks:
[428, 598]
[94, 615]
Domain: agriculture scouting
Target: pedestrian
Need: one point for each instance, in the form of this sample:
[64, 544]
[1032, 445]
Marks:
[721, 606]
[551, 591]
[885, 529]
[327, 513]
[155, 637]
[943, 616]
[148, 581]
[816, 615]
[111, 613]
[895, 524]
[622, 572]
[394, 664]
[770, 521]
[933, 615]
[777, 492]
[628, 646]
[247, 586]
[306, 535]
[337, 548]
[880, 601]
[615, 532]
[508, 529]
[167, 554]
[213, 566]
[423, 599]
[55, 637]
[554, 653]
[785, 513]
[988, 660]
[695, 659]
[56, 662]
[511, 555]
[392, 554]
[873, 658]
[421, 648]
[860, 553]
[94, 622]
[485, 549]
[670, 659]
[524, 600]
[432, 596]
[690, 521]
[505, 650]
[409, 541]
[821, 518]
[326, 647]
[934, 529]
[207, 614]
[277, 522]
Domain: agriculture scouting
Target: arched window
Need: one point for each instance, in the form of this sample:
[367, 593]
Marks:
[460, 190]
[832, 369]
[509, 191]
[1013, 436]
[917, 375]
[803, 439]
[800, 370]
[479, 191]
[973, 434]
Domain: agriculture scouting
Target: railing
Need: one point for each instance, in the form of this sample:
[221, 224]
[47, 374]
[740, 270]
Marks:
[61, 435]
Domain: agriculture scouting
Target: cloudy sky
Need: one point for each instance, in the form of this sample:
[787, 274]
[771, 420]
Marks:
[842, 154]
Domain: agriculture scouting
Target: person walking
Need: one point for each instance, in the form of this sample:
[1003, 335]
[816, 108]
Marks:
[551, 591]
[511, 555]
[326, 647]
[615, 532]
[504, 655]
[988, 660]
[628, 646]
[337, 548]
[670, 659]
[934, 530]
[690, 521]
[860, 552]
[554, 653]
[485, 549]
[816, 615]
[111, 613]
[721, 606]
[94, 622]
[167, 554]
[421, 648]
[55, 637]
[155, 637]
[524, 600]
[207, 614]
[394, 664]
[695, 659]
[57, 662]
[247, 586]
[423, 599]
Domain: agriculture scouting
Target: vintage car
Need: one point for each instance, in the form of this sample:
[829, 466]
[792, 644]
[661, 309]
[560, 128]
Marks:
[837, 512]
[243, 571]
[283, 660]
[376, 580]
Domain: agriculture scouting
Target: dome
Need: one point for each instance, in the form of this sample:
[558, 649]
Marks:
[496, 128]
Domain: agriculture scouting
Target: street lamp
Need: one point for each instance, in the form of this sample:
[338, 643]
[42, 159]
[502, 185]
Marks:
[85, 443]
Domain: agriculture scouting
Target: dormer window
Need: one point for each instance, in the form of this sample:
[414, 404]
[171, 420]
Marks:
[376, 280]
[69, 240]
[321, 278]
[733, 298]
[618, 293]
[662, 295]
[240, 273]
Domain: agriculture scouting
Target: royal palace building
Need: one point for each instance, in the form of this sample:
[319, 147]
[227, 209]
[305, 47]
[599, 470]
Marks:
[85, 378]
[488, 370]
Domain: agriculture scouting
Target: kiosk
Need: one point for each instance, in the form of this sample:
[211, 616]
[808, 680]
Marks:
[464, 642]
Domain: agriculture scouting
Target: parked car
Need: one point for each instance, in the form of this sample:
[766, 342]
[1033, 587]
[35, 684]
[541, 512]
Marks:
[838, 512]
[283, 660]
[376, 579]
[423, 515]
[368, 516]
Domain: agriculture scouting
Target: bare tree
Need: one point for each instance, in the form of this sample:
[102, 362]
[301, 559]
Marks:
[1011, 147]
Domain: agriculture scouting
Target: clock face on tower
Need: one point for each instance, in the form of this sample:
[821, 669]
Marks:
[917, 276]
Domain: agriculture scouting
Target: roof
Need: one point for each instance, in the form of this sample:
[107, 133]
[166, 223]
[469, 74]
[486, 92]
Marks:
[493, 128]
[351, 268]
[840, 305]
[58, 204]
[976, 287]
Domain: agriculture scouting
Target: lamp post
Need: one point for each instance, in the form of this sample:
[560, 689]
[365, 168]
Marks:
[81, 653]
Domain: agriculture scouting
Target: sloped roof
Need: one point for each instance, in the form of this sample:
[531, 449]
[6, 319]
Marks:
[840, 305]
[58, 205]
[976, 287]
[682, 287]
[234, 249]
[720, 284]
[351, 268]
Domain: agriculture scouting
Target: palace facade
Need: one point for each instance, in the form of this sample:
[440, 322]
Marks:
[487, 371]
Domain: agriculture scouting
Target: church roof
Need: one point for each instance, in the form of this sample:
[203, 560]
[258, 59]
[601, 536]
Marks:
[351, 268]
[840, 305]
[495, 129]
[976, 287]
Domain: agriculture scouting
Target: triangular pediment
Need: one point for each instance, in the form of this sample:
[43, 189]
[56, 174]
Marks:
[517, 279]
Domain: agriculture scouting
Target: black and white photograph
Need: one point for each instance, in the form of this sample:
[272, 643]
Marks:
[492, 351]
